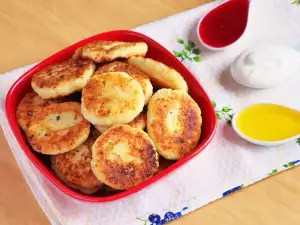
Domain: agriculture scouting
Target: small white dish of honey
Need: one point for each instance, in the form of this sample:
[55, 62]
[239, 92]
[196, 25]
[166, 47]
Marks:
[267, 124]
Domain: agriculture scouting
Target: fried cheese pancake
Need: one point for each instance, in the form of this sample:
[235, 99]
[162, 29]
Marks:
[138, 122]
[74, 167]
[134, 72]
[31, 104]
[160, 74]
[107, 51]
[173, 123]
[112, 98]
[124, 157]
[63, 78]
[102, 128]
[58, 128]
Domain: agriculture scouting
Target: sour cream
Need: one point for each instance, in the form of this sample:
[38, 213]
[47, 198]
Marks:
[265, 66]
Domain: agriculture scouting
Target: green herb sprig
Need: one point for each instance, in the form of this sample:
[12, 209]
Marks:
[290, 164]
[189, 51]
[298, 141]
[296, 2]
[144, 221]
[273, 172]
[225, 113]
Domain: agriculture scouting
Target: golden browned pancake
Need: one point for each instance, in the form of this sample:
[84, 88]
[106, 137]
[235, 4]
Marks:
[102, 128]
[74, 168]
[134, 72]
[160, 74]
[107, 51]
[124, 157]
[58, 128]
[63, 78]
[173, 123]
[112, 98]
[32, 103]
[28, 106]
[139, 122]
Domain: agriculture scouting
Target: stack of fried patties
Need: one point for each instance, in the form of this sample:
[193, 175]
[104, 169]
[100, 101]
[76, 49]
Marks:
[99, 140]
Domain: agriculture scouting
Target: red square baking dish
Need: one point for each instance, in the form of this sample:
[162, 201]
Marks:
[157, 52]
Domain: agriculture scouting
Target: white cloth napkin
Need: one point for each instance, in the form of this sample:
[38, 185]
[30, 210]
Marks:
[227, 165]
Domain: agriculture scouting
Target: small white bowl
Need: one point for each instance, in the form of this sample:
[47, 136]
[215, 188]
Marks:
[262, 143]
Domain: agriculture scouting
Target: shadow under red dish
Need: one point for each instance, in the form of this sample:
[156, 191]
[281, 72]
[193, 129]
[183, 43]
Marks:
[155, 51]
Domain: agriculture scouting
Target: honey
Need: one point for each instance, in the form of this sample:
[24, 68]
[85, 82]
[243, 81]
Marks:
[268, 122]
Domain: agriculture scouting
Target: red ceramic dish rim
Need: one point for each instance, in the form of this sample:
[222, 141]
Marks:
[10, 112]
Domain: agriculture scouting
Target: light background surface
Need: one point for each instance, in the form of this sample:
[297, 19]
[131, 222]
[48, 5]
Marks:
[32, 30]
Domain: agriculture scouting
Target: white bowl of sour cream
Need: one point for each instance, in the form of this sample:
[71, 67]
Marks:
[265, 66]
